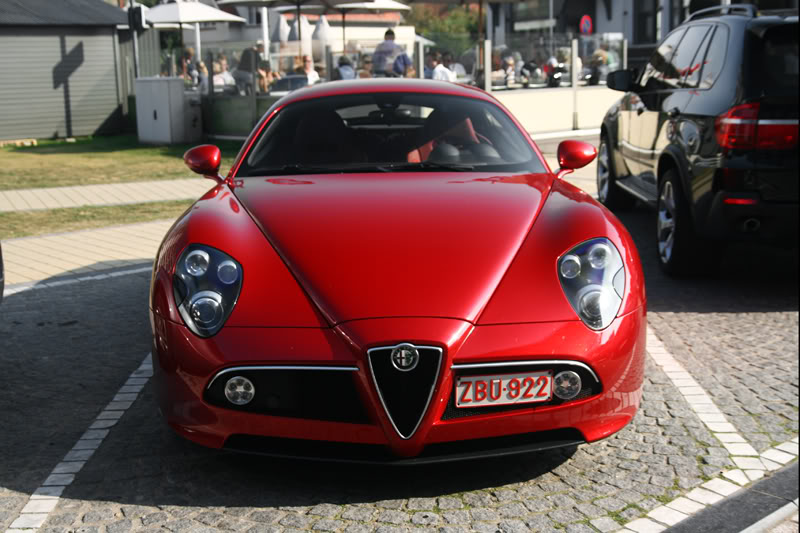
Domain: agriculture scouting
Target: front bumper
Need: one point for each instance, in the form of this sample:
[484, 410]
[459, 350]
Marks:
[185, 365]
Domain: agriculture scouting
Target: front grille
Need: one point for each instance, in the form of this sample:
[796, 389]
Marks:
[312, 394]
[405, 395]
[590, 387]
[377, 454]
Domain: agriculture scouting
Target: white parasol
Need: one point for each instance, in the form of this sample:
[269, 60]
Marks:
[297, 4]
[183, 12]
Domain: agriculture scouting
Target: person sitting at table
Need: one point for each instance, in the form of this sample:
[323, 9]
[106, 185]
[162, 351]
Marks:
[344, 70]
[307, 67]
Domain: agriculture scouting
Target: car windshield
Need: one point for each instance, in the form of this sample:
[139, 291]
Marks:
[390, 132]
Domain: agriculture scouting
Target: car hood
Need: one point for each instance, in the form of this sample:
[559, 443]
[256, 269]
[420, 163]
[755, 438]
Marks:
[396, 245]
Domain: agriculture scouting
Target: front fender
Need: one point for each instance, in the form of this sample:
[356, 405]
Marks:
[270, 296]
[530, 290]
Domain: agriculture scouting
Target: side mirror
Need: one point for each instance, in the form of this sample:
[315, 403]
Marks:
[205, 159]
[621, 80]
[574, 154]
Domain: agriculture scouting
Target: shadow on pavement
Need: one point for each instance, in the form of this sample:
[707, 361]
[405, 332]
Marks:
[64, 353]
[750, 277]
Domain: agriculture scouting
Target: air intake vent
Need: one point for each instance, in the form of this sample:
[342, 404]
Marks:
[405, 376]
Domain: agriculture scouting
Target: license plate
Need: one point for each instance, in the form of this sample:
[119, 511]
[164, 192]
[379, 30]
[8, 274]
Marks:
[504, 389]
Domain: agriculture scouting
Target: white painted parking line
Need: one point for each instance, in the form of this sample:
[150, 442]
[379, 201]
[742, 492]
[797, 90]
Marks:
[46, 497]
[750, 464]
[16, 289]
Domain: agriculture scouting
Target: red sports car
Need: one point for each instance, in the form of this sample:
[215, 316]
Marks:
[391, 273]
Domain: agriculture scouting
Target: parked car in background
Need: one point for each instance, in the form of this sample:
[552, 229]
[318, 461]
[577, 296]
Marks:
[287, 84]
[391, 273]
[707, 134]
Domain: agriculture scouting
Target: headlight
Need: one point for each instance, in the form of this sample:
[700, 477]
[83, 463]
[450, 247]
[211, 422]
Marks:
[593, 278]
[206, 285]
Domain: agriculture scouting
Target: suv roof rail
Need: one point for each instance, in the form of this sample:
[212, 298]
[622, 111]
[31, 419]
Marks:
[739, 9]
[786, 12]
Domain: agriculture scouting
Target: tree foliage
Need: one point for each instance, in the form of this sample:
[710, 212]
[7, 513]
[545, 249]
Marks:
[452, 28]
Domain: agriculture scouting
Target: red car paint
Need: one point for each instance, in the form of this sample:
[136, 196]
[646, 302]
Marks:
[336, 264]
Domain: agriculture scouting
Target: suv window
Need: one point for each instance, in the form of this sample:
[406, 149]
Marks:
[693, 73]
[682, 62]
[715, 59]
[660, 62]
[779, 61]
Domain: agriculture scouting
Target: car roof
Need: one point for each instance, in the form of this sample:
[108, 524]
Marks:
[385, 85]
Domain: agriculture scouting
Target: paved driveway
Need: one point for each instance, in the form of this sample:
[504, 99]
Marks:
[67, 351]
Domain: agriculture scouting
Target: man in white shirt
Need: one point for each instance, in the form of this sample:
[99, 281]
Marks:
[440, 71]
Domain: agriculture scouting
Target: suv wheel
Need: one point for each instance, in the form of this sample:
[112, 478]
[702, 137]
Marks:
[680, 250]
[609, 194]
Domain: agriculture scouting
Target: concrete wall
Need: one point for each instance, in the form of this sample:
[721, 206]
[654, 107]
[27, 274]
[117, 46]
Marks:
[543, 110]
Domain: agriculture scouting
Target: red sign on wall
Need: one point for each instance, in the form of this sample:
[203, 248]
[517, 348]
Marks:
[585, 26]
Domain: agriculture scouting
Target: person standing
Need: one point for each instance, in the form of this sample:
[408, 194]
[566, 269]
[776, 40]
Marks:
[385, 54]
[430, 64]
[441, 72]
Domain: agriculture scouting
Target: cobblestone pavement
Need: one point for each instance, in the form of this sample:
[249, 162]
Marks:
[65, 351]
[736, 331]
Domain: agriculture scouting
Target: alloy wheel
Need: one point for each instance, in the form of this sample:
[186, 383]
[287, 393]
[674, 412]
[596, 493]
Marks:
[666, 222]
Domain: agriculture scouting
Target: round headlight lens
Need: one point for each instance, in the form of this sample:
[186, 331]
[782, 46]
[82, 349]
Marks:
[591, 304]
[206, 309]
[228, 272]
[239, 390]
[196, 263]
[599, 256]
[570, 266]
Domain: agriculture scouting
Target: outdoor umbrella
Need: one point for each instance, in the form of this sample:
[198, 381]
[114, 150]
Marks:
[301, 32]
[377, 6]
[275, 3]
[281, 31]
[182, 12]
[320, 37]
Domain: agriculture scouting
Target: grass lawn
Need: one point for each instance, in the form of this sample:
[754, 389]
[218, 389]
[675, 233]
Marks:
[97, 160]
[26, 223]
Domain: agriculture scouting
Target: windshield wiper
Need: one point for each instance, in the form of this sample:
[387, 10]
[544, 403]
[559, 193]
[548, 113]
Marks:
[293, 169]
[427, 165]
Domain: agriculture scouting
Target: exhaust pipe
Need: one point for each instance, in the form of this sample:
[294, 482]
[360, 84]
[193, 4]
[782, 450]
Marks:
[751, 225]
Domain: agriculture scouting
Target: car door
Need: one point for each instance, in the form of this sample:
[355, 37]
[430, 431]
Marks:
[671, 102]
[644, 115]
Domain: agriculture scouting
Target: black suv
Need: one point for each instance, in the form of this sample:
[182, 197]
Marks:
[707, 134]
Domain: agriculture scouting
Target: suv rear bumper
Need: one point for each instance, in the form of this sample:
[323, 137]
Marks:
[769, 222]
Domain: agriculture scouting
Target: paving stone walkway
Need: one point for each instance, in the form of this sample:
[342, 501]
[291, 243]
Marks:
[101, 195]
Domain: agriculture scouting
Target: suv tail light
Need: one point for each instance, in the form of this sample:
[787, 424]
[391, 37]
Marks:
[740, 128]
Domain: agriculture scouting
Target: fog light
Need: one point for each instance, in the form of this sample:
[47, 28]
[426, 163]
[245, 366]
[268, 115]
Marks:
[567, 385]
[239, 390]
